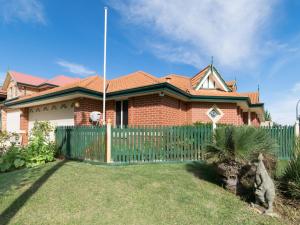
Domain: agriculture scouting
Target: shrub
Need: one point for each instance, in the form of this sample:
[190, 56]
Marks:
[39, 150]
[291, 175]
[14, 158]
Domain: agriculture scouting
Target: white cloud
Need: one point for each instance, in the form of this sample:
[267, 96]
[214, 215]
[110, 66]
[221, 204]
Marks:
[231, 31]
[22, 10]
[283, 108]
[75, 68]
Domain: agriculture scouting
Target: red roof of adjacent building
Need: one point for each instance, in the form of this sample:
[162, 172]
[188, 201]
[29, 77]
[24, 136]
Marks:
[26, 79]
[38, 81]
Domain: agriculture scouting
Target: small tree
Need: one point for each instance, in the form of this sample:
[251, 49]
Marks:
[267, 115]
[40, 148]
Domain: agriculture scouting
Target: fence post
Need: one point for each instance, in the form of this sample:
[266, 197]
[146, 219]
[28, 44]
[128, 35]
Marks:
[108, 141]
[297, 128]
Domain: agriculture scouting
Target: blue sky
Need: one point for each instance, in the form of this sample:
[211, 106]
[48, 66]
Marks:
[255, 41]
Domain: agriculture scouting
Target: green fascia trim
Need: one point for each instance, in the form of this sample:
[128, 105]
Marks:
[76, 90]
[156, 87]
[257, 105]
[139, 90]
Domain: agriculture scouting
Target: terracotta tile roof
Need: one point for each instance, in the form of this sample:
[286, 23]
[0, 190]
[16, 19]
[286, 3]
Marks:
[142, 79]
[195, 79]
[254, 96]
[231, 84]
[133, 80]
[26, 79]
[213, 92]
[179, 81]
[62, 80]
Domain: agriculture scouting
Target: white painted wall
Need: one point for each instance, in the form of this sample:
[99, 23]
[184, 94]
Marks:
[60, 114]
[13, 121]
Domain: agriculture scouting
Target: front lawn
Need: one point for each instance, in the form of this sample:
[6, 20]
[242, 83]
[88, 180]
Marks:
[80, 193]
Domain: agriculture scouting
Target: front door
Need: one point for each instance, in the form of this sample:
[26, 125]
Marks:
[122, 113]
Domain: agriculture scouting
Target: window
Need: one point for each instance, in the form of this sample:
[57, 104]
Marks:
[122, 113]
[214, 114]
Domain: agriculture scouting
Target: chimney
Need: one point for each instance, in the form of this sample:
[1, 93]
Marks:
[168, 79]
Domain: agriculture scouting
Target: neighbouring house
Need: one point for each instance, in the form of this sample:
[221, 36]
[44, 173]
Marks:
[135, 99]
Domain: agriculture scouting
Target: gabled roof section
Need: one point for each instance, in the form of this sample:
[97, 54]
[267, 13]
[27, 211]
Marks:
[133, 80]
[197, 78]
[37, 81]
[22, 78]
[93, 83]
[203, 76]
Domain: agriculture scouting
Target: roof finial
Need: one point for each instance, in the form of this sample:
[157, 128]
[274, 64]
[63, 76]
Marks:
[212, 60]
[258, 88]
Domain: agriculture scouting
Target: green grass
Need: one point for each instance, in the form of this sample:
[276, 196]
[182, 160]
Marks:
[80, 193]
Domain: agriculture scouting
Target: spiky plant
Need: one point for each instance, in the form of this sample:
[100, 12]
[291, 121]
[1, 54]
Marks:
[291, 175]
[240, 143]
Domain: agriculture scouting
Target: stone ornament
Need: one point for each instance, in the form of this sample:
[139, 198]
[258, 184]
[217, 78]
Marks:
[264, 186]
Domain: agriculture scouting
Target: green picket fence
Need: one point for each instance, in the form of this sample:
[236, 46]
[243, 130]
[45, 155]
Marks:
[159, 144]
[285, 138]
[81, 143]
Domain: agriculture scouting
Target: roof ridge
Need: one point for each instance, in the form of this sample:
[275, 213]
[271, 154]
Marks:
[200, 71]
[177, 75]
[154, 78]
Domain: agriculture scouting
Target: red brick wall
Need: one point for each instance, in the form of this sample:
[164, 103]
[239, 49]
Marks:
[156, 110]
[199, 112]
[145, 110]
[86, 106]
[24, 125]
[174, 111]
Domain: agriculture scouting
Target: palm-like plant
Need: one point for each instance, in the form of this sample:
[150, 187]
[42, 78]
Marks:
[240, 143]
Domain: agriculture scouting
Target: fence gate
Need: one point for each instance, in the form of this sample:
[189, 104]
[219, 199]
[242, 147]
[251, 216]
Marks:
[81, 143]
[157, 144]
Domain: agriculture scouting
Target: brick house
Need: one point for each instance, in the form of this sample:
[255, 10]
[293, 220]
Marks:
[135, 99]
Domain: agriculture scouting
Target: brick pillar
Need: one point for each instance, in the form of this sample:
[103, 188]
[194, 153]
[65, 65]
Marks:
[24, 117]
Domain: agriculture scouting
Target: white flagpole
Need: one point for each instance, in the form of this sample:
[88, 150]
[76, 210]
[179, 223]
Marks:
[104, 65]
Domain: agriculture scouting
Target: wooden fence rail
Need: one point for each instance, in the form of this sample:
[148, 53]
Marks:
[158, 144]
[81, 143]
[285, 138]
[151, 144]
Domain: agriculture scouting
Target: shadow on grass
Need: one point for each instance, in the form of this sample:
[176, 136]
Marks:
[16, 205]
[203, 171]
